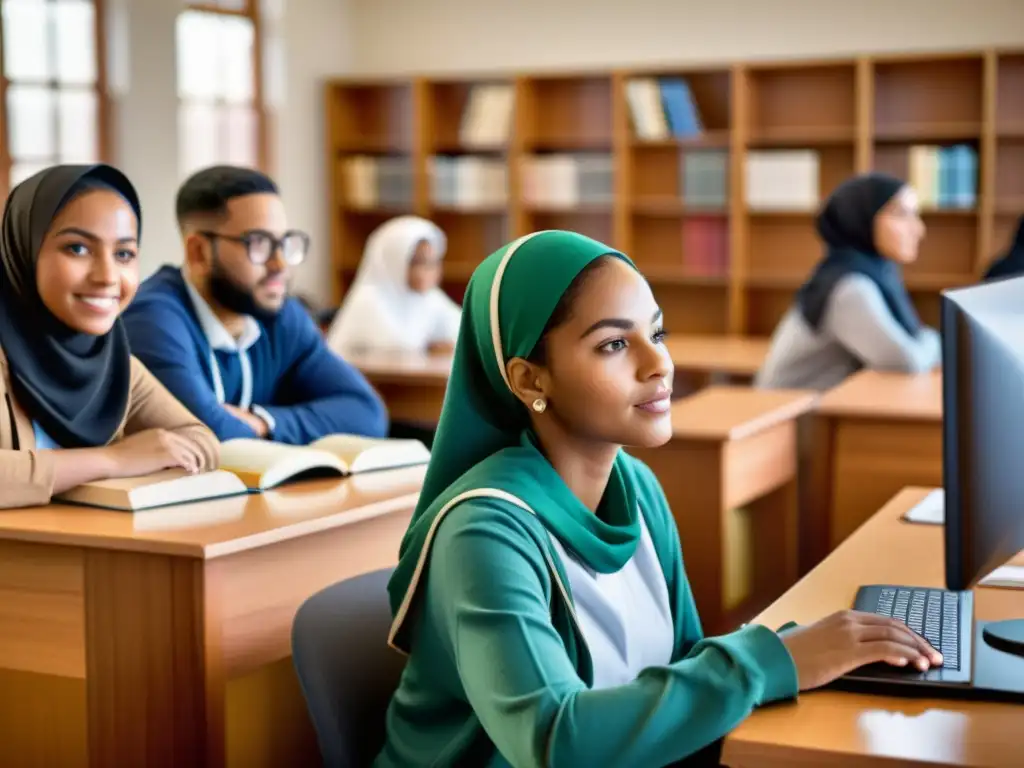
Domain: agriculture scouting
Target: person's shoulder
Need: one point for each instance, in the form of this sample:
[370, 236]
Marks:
[855, 286]
[495, 529]
[294, 318]
[164, 290]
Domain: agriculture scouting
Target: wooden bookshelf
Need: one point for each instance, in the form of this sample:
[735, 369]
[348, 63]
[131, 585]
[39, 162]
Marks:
[720, 264]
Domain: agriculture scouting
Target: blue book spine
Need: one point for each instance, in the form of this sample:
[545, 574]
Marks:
[680, 109]
[947, 160]
[970, 163]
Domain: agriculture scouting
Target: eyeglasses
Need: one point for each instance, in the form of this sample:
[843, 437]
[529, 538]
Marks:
[260, 245]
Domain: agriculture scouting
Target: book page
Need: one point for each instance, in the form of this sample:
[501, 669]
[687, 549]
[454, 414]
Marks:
[347, 447]
[245, 455]
[364, 454]
[930, 510]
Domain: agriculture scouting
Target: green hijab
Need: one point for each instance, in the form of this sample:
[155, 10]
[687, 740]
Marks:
[484, 446]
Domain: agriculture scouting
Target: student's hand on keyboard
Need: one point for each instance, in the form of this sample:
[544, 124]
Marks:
[832, 647]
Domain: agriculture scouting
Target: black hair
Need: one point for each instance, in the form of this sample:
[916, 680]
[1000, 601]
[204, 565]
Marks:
[563, 309]
[208, 192]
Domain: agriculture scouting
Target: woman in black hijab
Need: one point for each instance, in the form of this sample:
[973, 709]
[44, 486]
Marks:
[76, 406]
[1011, 263]
[854, 311]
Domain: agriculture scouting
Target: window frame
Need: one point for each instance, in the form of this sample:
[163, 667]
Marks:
[251, 11]
[99, 88]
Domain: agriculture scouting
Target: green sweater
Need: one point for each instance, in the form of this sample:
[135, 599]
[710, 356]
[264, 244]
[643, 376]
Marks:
[499, 674]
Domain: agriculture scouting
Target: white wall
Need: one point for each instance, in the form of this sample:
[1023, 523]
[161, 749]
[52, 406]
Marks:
[413, 36]
[307, 40]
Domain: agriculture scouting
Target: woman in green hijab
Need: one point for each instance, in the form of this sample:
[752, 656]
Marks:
[548, 620]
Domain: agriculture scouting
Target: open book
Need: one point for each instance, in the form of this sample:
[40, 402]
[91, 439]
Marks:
[172, 486]
[262, 464]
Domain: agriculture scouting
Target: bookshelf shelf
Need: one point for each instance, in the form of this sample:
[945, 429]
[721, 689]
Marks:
[708, 177]
[925, 131]
[800, 136]
[709, 139]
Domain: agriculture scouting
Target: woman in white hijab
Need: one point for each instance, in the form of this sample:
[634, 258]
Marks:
[395, 303]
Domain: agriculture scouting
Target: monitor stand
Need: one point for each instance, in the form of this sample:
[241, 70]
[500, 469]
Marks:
[1006, 636]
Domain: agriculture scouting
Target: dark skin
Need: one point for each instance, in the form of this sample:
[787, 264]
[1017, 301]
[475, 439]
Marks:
[606, 376]
[86, 274]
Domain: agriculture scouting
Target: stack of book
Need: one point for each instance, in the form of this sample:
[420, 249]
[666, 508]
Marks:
[944, 177]
[782, 180]
[377, 182]
[566, 181]
[468, 182]
[662, 108]
[704, 178]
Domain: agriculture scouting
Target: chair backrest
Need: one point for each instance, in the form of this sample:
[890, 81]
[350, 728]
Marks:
[346, 669]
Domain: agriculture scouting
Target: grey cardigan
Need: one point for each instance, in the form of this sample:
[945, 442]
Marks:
[857, 331]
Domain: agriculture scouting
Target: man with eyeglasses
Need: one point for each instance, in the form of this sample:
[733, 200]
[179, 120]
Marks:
[222, 334]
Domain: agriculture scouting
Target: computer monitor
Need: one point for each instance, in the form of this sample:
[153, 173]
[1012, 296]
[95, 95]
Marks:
[983, 437]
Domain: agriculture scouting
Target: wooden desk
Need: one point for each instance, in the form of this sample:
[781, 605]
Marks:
[874, 434]
[412, 386]
[701, 360]
[119, 633]
[730, 476]
[826, 728]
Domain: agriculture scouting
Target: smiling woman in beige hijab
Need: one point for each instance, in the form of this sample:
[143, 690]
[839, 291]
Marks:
[395, 304]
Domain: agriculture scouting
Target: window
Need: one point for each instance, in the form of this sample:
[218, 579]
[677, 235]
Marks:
[54, 111]
[220, 117]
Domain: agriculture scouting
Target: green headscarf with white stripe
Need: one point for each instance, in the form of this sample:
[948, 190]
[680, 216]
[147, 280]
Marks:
[484, 446]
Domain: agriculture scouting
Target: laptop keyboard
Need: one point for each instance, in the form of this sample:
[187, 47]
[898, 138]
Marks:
[932, 613]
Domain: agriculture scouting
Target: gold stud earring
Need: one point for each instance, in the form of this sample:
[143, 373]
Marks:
[540, 405]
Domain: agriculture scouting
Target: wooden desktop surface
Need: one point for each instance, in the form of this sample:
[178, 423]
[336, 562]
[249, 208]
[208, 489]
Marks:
[221, 527]
[732, 413]
[879, 395]
[731, 355]
[405, 368]
[829, 729]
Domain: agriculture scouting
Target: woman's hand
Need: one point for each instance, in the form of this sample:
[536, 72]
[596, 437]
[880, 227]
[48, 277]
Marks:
[151, 451]
[844, 641]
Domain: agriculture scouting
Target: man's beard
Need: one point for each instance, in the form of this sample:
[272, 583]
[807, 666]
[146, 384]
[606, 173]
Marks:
[235, 298]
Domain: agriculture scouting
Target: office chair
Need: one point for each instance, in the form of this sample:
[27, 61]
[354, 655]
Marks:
[346, 669]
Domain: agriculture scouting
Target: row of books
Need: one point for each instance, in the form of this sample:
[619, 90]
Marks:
[565, 181]
[376, 182]
[487, 119]
[661, 108]
[468, 182]
[944, 177]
